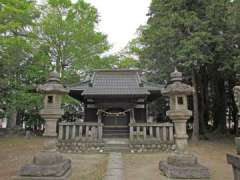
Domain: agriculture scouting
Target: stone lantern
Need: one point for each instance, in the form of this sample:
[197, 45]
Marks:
[181, 164]
[52, 111]
[179, 113]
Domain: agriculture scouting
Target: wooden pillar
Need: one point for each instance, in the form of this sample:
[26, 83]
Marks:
[146, 107]
[87, 130]
[138, 132]
[164, 133]
[131, 132]
[67, 131]
[80, 131]
[100, 129]
[60, 133]
[158, 133]
[144, 132]
[132, 117]
[170, 133]
[73, 131]
[93, 132]
[99, 117]
[151, 131]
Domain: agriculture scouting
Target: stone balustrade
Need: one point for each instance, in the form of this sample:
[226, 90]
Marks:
[80, 130]
[162, 132]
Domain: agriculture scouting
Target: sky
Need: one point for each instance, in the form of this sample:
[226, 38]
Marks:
[120, 19]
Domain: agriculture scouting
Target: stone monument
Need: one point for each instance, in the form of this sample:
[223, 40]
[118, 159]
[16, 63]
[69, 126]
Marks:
[181, 164]
[234, 159]
[52, 111]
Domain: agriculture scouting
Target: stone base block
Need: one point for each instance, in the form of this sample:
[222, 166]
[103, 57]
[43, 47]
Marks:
[46, 166]
[183, 166]
[234, 160]
[193, 172]
[182, 160]
[63, 177]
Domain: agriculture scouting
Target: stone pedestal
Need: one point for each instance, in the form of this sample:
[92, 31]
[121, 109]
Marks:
[184, 166]
[234, 160]
[46, 166]
[179, 118]
[51, 122]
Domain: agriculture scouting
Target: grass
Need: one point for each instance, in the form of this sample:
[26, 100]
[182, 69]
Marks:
[18, 151]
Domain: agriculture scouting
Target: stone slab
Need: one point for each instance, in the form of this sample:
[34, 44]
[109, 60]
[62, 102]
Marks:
[115, 167]
[184, 172]
[234, 160]
[63, 177]
[47, 158]
[56, 170]
[182, 160]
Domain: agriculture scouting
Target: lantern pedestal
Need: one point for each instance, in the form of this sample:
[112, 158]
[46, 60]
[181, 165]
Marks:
[179, 118]
[51, 122]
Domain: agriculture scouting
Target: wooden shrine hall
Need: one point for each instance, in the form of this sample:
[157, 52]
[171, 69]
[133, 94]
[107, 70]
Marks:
[115, 106]
[115, 98]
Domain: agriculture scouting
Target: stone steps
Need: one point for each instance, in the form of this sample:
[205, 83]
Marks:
[115, 132]
[116, 148]
[116, 145]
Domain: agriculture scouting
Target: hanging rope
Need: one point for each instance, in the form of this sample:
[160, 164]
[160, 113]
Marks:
[122, 113]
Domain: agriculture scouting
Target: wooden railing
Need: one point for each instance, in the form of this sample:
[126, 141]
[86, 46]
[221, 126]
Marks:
[151, 131]
[80, 130]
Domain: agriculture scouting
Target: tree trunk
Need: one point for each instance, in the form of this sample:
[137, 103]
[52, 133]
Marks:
[195, 135]
[219, 104]
[12, 119]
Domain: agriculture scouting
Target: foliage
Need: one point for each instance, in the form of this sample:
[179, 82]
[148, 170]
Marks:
[16, 52]
[35, 39]
[201, 38]
[68, 39]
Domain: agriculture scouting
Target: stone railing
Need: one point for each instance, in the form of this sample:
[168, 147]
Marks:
[80, 131]
[161, 132]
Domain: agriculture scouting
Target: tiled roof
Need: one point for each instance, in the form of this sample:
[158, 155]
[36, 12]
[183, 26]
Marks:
[115, 82]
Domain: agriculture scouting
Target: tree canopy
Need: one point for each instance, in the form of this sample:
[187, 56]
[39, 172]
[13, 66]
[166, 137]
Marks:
[201, 38]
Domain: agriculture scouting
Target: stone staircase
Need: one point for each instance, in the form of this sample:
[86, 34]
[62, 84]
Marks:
[115, 132]
[116, 145]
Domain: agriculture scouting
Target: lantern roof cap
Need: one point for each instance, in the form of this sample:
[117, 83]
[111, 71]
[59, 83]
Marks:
[177, 87]
[176, 75]
[53, 85]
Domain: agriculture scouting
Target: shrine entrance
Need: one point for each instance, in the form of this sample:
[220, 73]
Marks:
[115, 123]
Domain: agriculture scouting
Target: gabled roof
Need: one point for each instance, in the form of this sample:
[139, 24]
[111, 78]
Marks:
[115, 82]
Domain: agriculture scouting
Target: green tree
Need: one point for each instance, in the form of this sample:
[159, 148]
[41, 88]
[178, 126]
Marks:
[68, 37]
[201, 39]
[16, 52]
